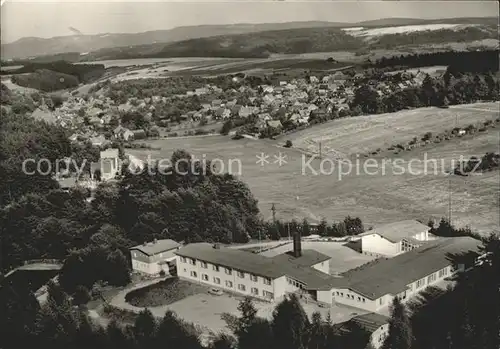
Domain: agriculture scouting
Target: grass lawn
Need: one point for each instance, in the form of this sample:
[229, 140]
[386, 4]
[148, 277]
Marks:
[375, 198]
[163, 293]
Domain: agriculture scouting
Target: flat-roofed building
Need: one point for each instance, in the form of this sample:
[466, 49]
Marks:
[394, 238]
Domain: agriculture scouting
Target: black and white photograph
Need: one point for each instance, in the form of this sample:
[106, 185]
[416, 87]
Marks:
[241, 174]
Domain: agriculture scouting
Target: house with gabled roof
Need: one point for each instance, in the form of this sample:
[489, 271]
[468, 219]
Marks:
[152, 258]
[395, 238]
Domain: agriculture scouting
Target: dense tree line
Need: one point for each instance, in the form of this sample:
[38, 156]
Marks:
[465, 315]
[282, 229]
[451, 88]
[122, 91]
[82, 72]
[94, 237]
[487, 162]
[24, 138]
[461, 61]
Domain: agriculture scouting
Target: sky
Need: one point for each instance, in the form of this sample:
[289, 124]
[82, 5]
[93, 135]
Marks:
[20, 18]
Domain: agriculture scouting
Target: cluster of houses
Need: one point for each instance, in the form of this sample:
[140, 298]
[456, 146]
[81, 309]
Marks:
[294, 101]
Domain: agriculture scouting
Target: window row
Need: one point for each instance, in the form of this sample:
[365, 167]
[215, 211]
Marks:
[295, 283]
[229, 284]
[443, 272]
[227, 271]
[350, 296]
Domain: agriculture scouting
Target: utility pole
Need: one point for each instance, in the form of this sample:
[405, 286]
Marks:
[449, 198]
[289, 237]
[273, 209]
[320, 154]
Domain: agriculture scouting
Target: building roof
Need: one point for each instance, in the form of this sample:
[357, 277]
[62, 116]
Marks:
[397, 231]
[232, 258]
[295, 268]
[392, 275]
[370, 321]
[308, 258]
[158, 246]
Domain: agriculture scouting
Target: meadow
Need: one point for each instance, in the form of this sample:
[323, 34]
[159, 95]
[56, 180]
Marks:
[350, 136]
[377, 198]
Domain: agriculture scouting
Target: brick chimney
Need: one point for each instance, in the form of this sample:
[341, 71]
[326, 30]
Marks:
[297, 245]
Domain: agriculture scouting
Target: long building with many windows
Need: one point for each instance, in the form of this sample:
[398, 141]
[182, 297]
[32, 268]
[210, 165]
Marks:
[369, 287]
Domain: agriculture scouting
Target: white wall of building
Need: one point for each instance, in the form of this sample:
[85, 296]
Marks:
[378, 336]
[352, 299]
[323, 267]
[324, 296]
[416, 287]
[145, 267]
[376, 244]
[230, 280]
[423, 236]
[150, 264]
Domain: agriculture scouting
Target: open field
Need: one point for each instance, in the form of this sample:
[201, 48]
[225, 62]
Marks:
[343, 258]
[376, 198]
[349, 136]
[368, 32]
[217, 66]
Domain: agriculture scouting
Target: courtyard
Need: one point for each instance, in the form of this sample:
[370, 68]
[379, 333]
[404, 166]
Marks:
[191, 302]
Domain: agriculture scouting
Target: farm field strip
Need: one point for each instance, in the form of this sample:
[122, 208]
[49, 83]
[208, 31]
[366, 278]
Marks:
[362, 134]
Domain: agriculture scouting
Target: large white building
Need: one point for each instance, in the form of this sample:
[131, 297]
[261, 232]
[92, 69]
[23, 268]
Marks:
[153, 257]
[394, 238]
[252, 274]
[370, 287]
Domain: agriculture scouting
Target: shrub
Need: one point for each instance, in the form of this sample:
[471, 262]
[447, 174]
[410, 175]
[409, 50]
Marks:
[162, 273]
[288, 144]
[200, 132]
[81, 295]
[237, 136]
[172, 134]
[427, 136]
[228, 125]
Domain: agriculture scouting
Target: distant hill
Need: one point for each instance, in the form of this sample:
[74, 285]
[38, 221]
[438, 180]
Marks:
[32, 46]
[303, 40]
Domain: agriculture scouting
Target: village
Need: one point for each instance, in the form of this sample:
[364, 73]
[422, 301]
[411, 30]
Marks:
[265, 110]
